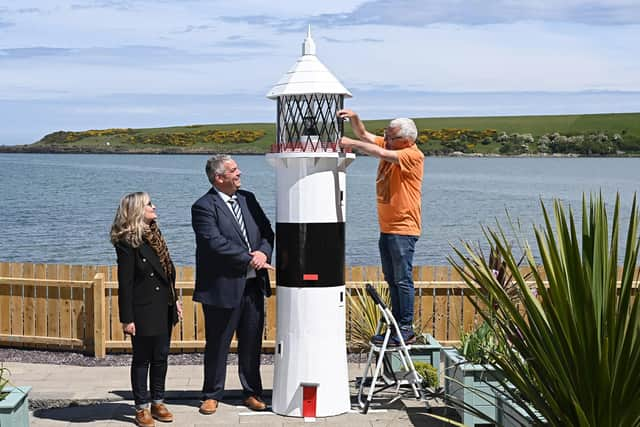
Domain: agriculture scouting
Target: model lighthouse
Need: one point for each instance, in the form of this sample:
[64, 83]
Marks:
[311, 378]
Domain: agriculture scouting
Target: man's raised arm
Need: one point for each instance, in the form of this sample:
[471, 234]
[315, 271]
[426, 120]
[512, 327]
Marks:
[357, 126]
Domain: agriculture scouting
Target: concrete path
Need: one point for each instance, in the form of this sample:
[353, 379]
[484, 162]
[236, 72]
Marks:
[101, 396]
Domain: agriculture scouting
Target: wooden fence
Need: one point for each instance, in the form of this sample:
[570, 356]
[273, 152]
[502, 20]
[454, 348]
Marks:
[76, 307]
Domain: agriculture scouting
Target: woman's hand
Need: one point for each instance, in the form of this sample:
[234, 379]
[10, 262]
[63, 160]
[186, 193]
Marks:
[129, 328]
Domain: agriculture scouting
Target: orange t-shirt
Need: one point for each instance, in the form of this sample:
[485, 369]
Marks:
[399, 192]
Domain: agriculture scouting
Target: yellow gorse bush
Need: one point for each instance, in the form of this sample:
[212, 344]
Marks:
[450, 134]
[176, 139]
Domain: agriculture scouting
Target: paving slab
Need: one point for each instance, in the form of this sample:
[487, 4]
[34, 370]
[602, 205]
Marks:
[71, 396]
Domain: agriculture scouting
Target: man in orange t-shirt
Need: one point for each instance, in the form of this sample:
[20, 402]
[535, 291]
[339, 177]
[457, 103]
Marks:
[399, 194]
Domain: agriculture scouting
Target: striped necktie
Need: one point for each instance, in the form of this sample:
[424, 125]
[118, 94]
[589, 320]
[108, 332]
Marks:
[235, 207]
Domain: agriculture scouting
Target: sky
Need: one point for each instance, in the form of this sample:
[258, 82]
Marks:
[95, 64]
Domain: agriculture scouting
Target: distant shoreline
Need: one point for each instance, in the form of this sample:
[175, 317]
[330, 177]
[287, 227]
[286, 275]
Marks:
[22, 149]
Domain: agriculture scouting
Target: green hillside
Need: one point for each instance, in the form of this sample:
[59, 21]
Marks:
[593, 134]
[229, 138]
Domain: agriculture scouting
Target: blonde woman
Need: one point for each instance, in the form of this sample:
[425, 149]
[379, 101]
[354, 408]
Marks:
[147, 301]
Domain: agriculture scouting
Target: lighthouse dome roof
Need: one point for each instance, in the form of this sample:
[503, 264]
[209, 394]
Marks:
[307, 76]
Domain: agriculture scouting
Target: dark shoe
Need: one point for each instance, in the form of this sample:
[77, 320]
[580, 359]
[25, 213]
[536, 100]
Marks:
[161, 413]
[209, 406]
[408, 336]
[378, 339]
[144, 419]
[255, 403]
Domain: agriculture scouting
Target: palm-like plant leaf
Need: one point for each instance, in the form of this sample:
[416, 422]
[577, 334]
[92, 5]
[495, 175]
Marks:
[364, 315]
[574, 351]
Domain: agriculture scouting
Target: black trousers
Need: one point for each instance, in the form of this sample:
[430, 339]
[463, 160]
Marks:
[247, 321]
[150, 356]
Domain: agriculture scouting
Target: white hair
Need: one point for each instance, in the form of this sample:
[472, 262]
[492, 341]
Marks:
[407, 128]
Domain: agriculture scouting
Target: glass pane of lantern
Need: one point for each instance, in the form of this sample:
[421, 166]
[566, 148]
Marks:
[309, 122]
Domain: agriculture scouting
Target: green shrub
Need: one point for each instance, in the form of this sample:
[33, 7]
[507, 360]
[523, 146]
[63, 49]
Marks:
[428, 373]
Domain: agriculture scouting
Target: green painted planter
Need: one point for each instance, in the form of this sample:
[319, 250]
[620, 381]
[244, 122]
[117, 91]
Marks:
[14, 408]
[429, 353]
[510, 414]
[469, 376]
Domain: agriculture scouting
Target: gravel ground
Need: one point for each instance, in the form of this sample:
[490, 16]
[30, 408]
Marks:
[124, 359]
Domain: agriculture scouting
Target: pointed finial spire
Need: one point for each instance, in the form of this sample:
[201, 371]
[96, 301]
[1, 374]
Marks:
[308, 46]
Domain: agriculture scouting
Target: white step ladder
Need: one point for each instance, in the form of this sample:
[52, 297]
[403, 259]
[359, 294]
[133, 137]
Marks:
[384, 377]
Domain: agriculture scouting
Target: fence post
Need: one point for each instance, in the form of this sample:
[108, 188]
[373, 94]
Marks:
[99, 338]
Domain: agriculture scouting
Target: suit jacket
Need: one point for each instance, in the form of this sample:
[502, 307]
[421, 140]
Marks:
[222, 255]
[144, 290]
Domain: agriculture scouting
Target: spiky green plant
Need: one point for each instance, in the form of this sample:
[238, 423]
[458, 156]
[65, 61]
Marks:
[364, 315]
[4, 380]
[573, 353]
[479, 345]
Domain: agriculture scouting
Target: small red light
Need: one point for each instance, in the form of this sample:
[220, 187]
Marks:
[309, 277]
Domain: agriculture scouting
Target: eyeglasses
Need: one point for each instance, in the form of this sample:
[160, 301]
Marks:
[391, 138]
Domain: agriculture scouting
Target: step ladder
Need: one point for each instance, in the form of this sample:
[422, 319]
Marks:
[384, 377]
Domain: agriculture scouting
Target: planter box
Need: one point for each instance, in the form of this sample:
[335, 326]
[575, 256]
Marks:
[428, 353]
[469, 376]
[510, 414]
[14, 408]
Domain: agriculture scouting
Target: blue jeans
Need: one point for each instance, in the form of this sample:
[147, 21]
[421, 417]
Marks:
[396, 255]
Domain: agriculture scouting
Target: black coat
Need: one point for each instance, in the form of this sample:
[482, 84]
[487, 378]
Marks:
[222, 255]
[144, 290]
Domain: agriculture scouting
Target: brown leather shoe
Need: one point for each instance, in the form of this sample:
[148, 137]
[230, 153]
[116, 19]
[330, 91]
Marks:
[144, 419]
[209, 407]
[161, 413]
[255, 403]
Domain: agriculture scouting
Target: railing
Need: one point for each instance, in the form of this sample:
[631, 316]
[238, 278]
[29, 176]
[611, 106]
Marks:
[75, 307]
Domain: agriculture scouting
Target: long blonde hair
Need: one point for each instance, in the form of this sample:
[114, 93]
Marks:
[128, 225]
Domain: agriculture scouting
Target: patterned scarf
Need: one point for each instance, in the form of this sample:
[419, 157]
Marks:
[154, 238]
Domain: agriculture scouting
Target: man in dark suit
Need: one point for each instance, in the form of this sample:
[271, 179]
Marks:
[234, 241]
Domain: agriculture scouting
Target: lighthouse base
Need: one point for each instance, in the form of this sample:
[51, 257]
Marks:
[311, 378]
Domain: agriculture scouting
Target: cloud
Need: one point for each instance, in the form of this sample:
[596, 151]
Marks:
[195, 28]
[105, 4]
[362, 40]
[127, 55]
[126, 4]
[32, 52]
[420, 13]
[29, 10]
[237, 41]
[480, 12]
[264, 20]
[3, 22]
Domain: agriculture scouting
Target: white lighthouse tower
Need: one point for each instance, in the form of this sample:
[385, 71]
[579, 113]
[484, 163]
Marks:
[310, 378]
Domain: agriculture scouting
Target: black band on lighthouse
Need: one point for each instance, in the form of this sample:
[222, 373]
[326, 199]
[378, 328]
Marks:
[310, 255]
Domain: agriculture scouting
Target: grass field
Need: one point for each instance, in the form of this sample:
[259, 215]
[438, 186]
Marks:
[625, 124]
